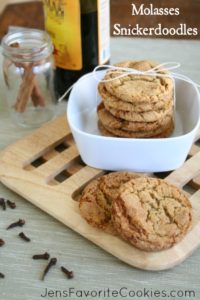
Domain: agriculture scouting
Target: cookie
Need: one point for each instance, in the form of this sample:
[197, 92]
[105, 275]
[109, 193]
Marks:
[161, 132]
[108, 120]
[108, 188]
[91, 211]
[151, 214]
[116, 103]
[123, 134]
[96, 200]
[139, 88]
[104, 131]
[148, 116]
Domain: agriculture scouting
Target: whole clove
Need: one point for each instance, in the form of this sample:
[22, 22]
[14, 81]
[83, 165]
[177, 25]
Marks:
[24, 237]
[19, 223]
[51, 263]
[41, 256]
[3, 203]
[11, 204]
[69, 274]
[1, 242]
[2, 275]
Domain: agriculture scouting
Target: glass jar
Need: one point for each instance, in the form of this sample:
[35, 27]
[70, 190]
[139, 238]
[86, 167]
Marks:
[28, 71]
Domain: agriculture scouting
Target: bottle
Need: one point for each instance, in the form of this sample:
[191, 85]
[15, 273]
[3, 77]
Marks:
[80, 31]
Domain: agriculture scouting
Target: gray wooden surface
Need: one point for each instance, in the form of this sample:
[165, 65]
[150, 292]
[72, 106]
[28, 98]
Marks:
[94, 269]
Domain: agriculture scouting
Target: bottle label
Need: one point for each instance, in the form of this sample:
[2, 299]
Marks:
[103, 30]
[63, 23]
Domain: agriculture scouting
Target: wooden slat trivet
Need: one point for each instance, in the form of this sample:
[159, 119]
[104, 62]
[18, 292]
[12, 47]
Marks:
[45, 168]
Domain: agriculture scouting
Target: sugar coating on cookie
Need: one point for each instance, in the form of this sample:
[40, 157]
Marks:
[109, 186]
[158, 133]
[91, 211]
[147, 116]
[139, 88]
[137, 107]
[151, 214]
[96, 200]
[134, 129]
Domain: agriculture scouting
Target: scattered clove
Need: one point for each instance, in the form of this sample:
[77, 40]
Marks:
[2, 275]
[51, 263]
[1, 242]
[24, 237]
[69, 274]
[19, 223]
[41, 256]
[11, 204]
[3, 203]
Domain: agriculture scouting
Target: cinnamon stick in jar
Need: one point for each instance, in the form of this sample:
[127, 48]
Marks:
[25, 90]
[29, 76]
[28, 88]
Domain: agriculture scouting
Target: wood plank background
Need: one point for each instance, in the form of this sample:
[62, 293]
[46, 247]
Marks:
[26, 14]
[30, 14]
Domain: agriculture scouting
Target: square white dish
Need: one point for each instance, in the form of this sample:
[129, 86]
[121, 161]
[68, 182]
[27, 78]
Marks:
[140, 155]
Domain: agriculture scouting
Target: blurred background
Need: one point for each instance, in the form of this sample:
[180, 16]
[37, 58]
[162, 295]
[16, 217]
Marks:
[28, 13]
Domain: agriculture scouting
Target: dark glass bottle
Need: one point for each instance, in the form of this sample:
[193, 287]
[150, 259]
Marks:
[94, 39]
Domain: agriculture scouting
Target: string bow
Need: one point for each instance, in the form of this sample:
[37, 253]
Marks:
[161, 70]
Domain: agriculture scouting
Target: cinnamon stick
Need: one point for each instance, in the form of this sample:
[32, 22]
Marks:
[25, 89]
[36, 96]
[28, 88]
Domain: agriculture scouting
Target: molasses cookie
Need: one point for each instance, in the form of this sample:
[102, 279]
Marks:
[91, 211]
[147, 116]
[141, 107]
[160, 132]
[108, 188]
[96, 200]
[135, 88]
[151, 214]
[108, 120]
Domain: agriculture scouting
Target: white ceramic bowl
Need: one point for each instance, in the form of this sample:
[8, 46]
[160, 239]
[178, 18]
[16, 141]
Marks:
[142, 155]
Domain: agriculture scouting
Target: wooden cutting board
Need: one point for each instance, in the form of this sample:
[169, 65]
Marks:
[45, 168]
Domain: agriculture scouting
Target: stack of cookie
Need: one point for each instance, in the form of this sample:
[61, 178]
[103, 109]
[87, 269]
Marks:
[136, 106]
[149, 213]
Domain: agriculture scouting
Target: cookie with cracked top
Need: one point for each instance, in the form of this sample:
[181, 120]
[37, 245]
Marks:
[108, 188]
[151, 214]
[162, 132]
[96, 200]
[138, 107]
[136, 88]
[108, 120]
[91, 211]
[145, 117]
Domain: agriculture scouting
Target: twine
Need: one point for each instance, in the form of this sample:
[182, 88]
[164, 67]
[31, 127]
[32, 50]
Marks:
[155, 72]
